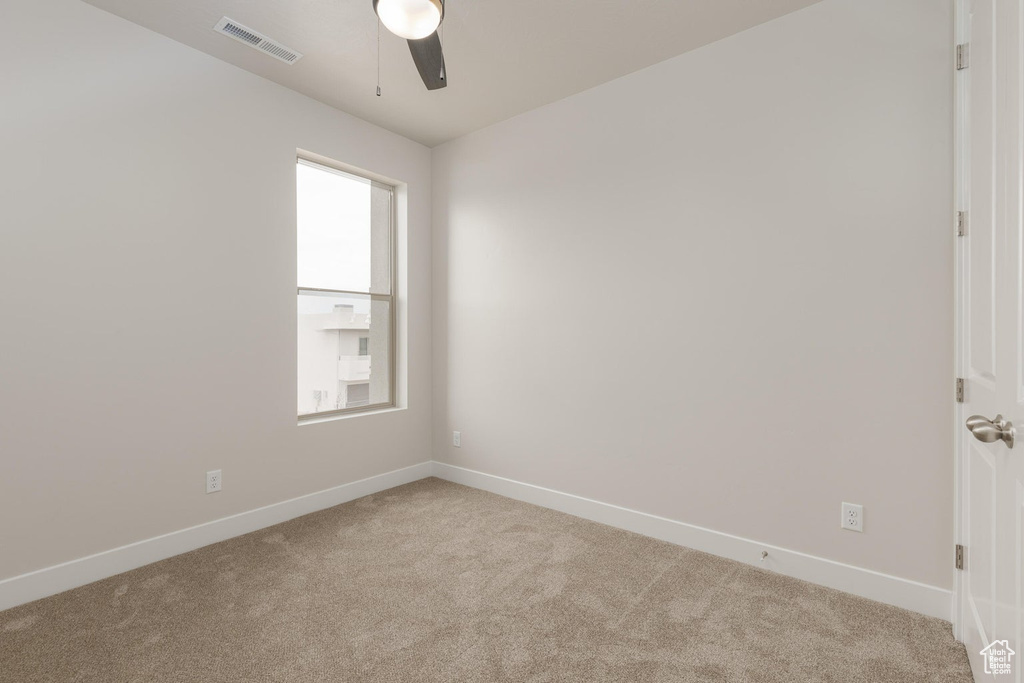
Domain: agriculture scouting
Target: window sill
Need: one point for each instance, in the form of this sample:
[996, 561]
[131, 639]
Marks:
[317, 419]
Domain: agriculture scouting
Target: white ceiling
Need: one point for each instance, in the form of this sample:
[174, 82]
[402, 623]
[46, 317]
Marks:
[504, 57]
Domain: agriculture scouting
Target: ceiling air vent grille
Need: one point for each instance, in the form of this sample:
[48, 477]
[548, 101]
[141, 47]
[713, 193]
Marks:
[256, 40]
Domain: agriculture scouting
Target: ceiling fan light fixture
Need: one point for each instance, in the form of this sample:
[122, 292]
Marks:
[410, 19]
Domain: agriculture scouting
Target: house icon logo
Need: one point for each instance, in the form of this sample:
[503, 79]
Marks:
[998, 658]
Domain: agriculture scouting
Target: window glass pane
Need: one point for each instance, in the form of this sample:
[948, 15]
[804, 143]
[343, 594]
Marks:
[380, 348]
[380, 239]
[334, 230]
[334, 372]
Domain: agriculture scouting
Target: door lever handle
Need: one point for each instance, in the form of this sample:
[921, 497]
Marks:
[989, 431]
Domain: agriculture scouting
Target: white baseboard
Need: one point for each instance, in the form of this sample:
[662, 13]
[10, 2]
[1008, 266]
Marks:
[18, 590]
[918, 597]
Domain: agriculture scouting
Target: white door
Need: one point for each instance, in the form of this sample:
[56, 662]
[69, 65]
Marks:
[990, 264]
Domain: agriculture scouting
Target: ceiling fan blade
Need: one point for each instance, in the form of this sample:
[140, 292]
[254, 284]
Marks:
[429, 59]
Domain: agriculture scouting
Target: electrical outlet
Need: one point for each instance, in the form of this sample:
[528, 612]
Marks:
[214, 481]
[853, 517]
[457, 439]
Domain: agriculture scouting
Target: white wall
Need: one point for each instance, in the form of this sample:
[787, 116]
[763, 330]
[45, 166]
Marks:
[772, 216]
[147, 288]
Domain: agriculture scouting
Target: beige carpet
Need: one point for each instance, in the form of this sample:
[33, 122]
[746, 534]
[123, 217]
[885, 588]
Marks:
[438, 582]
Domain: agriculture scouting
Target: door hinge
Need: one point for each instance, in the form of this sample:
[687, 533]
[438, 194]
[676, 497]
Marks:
[959, 390]
[961, 223]
[959, 556]
[963, 56]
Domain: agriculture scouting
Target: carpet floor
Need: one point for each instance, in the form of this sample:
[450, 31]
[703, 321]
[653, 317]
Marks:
[438, 582]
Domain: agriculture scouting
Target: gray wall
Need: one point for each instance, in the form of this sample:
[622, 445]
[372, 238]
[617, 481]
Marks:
[147, 288]
[720, 289]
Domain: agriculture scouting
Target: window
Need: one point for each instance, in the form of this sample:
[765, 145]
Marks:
[358, 395]
[346, 312]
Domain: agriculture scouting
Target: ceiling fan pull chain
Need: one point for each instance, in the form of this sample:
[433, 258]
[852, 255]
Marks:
[378, 57]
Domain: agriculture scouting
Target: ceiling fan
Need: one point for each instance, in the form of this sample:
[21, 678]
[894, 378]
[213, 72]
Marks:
[417, 21]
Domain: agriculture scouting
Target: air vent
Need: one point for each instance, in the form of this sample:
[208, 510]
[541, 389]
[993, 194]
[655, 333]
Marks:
[253, 39]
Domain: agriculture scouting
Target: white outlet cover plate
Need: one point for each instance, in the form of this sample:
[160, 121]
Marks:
[853, 517]
[457, 439]
[214, 481]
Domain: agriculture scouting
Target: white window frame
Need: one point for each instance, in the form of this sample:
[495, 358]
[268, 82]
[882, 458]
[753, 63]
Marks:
[392, 364]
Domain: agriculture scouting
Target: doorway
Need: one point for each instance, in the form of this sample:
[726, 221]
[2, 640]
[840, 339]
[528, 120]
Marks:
[990, 335]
